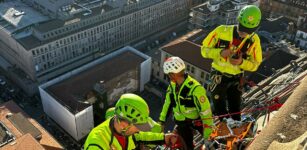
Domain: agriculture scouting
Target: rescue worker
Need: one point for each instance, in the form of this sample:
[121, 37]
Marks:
[188, 101]
[131, 118]
[233, 49]
[156, 127]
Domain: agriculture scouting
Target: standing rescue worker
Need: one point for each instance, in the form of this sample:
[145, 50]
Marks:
[131, 118]
[188, 101]
[233, 49]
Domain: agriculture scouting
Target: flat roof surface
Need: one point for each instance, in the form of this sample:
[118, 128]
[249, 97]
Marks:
[68, 92]
[19, 14]
[23, 141]
[202, 8]
[226, 6]
[29, 42]
[198, 36]
[57, 23]
[279, 24]
[189, 51]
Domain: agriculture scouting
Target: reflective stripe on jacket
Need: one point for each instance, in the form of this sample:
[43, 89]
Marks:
[224, 33]
[190, 102]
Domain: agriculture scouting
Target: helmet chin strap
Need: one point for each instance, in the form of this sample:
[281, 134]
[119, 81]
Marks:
[123, 132]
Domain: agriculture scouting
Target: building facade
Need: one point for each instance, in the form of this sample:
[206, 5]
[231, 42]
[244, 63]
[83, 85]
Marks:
[80, 33]
[301, 34]
[291, 9]
[217, 12]
[301, 39]
[283, 29]
[187, 48]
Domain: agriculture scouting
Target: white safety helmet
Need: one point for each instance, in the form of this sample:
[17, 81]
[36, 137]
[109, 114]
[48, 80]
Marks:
[173, 65]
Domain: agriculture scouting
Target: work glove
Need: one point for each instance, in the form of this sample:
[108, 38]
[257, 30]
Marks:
[170, 139]
[226, 53]
[236, 59]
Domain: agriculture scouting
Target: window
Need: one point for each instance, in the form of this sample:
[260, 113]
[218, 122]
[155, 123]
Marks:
[188, 67]
[192, 69]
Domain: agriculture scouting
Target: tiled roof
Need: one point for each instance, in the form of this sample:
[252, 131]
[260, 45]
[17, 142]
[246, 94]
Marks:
[23, 141]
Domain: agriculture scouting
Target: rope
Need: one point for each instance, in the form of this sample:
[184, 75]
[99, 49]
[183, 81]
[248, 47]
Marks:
[271, 108]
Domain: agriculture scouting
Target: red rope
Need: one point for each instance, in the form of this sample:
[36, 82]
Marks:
[270, 108]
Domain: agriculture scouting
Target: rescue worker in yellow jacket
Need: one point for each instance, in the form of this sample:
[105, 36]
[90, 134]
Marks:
[188, 101]
[156, 127]
[131, 118]
[233, 49]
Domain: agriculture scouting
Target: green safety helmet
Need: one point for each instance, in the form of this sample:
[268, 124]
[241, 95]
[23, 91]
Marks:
[249, 18]
[134, 109]
[110, 113]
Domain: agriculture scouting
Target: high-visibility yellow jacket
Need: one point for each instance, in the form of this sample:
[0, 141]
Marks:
[100, 138]
[190, 102]
[222, 37]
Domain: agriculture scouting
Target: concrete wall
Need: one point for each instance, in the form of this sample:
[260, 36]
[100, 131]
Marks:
[145, 69]
[15, 54]
[84, 122]
[125, 83]
[77, 125]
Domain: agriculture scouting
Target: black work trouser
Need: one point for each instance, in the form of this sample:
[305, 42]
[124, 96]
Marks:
[185, 130]
[230, 91]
